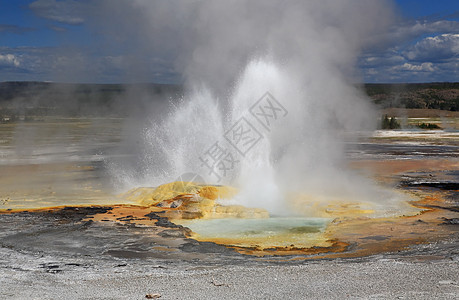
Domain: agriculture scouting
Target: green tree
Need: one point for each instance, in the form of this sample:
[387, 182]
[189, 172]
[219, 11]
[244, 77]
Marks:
[385, 122]
[389, 123]
[394, 124]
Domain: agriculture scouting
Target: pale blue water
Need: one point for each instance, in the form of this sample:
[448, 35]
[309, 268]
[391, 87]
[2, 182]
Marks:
[246, 228]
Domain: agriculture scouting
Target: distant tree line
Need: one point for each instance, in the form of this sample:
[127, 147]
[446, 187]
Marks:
[25, 100]
[22, 99]
[429, 126]
[443, 95]
[392, 123]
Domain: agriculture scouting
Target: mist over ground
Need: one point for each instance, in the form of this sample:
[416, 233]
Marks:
[301, 55]
[230, 55]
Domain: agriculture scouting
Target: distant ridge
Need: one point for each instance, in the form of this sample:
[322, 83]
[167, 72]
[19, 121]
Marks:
[19, 99]
[435, 95]
[13, 89]
[78, 98]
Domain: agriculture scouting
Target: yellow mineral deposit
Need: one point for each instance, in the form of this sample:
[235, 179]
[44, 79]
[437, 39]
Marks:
[202, 209]
[316, 206]
[187, 200]
[322, 227]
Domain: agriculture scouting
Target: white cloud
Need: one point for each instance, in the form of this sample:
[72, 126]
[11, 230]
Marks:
[58, 28]
[9, 60]
[415, 51]
[437, 48]
[388, 59]
[411, 30]
[68, 12]
[424, 67]
[77, 65]
[131, 41]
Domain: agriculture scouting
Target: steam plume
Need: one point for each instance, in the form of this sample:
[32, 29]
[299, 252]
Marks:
[230, 54]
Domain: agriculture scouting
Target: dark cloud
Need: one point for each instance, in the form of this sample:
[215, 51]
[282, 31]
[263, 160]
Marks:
[14, 29]
[68, 12]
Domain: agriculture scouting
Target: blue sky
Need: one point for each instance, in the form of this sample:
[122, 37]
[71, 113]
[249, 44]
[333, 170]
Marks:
[59, 40]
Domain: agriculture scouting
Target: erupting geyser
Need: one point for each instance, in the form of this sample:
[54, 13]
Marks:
[270, 96]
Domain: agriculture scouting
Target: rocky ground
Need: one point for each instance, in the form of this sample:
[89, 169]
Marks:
[94, 253]
[424, 272]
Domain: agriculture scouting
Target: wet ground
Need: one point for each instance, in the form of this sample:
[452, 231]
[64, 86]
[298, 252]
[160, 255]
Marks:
[102, 243]
[57, 161]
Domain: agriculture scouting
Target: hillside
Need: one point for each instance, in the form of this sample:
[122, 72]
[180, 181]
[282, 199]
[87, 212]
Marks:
[444, 96]
[19, 99]
[22, 99]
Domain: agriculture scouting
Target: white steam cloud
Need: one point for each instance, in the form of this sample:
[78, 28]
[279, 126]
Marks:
[230, 54]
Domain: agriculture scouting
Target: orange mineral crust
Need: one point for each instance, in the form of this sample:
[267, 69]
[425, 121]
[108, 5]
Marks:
[171, 212]
[396, 166]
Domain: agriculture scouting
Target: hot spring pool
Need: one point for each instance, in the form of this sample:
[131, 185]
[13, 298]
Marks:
[270, 232]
